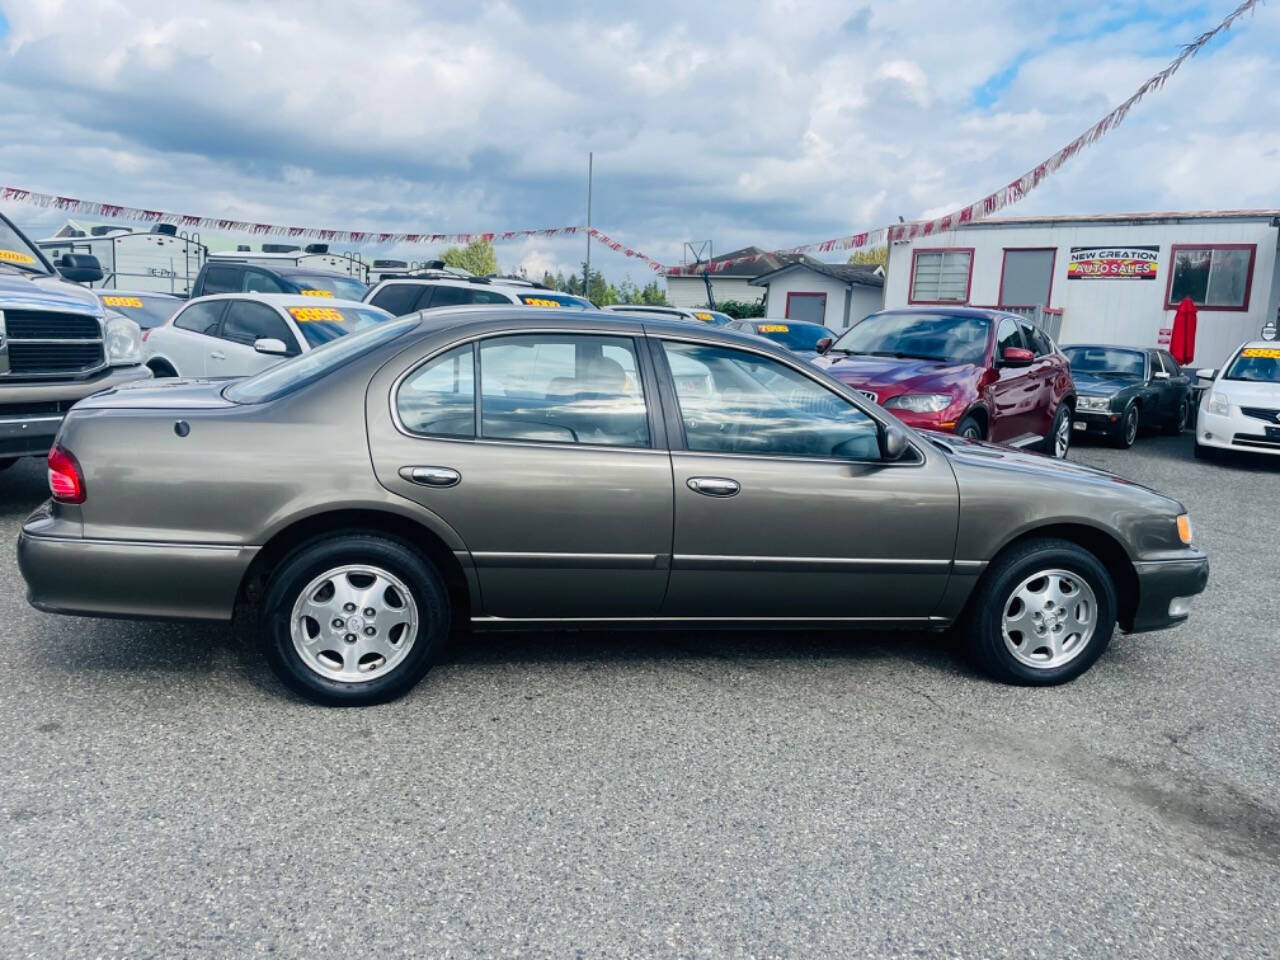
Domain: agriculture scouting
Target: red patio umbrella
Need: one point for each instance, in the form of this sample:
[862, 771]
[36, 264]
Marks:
[1182, 343]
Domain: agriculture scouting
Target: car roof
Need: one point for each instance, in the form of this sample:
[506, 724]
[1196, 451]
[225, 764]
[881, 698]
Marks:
[1264, 344]
[1108, 346]
[104, 292]
[289, 300]
[284, 269]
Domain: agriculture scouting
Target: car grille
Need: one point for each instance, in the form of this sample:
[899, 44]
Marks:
[43, 343]
[1253, 440]
[1262, 413]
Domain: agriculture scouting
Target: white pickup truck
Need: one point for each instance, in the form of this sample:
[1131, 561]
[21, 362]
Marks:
[57, 343]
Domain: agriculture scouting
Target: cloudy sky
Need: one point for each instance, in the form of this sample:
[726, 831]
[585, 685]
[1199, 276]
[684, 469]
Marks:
[776, 122]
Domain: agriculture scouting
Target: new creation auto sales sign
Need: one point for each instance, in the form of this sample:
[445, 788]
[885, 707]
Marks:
[1113, 263]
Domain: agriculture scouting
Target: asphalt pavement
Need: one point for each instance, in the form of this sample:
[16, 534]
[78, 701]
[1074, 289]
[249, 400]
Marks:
[670, 794]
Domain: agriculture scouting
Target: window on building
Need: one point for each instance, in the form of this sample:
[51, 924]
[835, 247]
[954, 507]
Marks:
[1215, 276]
[941, 276]
[1027, 277]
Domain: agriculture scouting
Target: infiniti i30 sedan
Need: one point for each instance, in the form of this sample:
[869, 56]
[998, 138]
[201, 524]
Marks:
[500, 466]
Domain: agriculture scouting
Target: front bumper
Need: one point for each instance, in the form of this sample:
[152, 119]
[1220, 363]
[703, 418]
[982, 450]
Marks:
[1096, 422]
[1235, 431]
[31, 413]
[1165, 588]
[133, 579]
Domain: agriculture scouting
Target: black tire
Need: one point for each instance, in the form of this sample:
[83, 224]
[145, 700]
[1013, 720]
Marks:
[314, 559]
[970, 427]
[1127, 431]
[1061, 425]
[983, 626]
[7, 462]
[1178, 422]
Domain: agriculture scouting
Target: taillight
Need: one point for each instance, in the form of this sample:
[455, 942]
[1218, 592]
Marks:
[66, 482]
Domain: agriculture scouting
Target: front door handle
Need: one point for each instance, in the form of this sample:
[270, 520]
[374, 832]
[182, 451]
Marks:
[217, 355]
[714, 486]
[432, 476]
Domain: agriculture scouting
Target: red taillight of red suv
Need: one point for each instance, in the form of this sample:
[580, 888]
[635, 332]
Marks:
[66, 482]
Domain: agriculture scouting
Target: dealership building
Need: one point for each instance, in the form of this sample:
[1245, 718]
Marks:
[1110, 278]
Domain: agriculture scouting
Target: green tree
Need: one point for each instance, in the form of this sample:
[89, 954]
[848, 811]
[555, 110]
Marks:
[477, 257]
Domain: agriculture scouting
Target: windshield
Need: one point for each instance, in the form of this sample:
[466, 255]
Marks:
[322, 324]
[308, 367]
[1128, 363]
[922, 336]
[17, 251]
[545, 298]
[146, 312]
[344, 288]
[1258, 364]
[713, 317]
[794, 336]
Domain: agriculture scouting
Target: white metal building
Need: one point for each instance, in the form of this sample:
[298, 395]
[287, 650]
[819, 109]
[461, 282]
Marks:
[731, 283]
[834, 294]
[1117, 278]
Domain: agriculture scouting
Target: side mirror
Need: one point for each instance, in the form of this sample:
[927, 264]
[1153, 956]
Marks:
[1017, 357]
[79, 267]
[893, 443]
[1206, 373]
[271, 346]
[823, 345]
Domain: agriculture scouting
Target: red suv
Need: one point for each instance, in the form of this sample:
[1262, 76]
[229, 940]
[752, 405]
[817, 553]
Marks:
[981, 374]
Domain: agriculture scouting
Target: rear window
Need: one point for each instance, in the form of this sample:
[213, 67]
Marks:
[286, 377]
[146, 312]
[344, 288]
[320, 324]
[792, 335]
[546, 298]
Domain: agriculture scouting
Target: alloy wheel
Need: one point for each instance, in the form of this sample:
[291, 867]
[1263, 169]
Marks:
[1131, 426]
[1049, 619]
[1062, 437]
[354, 623]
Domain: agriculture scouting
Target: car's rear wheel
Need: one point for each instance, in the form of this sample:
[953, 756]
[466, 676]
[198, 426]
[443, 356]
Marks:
[1058, 442]
[161, 369]
[353, 619]
[970, 427]
[1043, 613]
[1127, 432]
[1178, 422]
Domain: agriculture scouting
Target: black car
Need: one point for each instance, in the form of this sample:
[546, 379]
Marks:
[1120, 389]
[233, 276]
[798, 336]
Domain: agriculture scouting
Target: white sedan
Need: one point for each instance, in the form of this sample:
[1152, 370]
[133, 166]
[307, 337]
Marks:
[237, 334]
[1240, 410]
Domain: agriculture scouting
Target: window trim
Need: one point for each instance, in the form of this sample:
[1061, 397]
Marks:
[1004, 258]
[800, 295]
[911, 278]
[1248, 280]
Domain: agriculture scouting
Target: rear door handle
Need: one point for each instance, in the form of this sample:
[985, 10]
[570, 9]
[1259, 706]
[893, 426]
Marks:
[432, 476]
[714, 486]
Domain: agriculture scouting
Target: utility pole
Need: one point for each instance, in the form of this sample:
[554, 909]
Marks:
[696, 249]
[586, 278]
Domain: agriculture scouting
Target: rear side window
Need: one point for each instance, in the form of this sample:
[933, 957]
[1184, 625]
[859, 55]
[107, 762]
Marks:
[201, 317]
[443, 296]
[222, 279]
[439, 399]
[247, 322]
[1170, 365]
[399, 298]
[489, 296]
[1036, 340]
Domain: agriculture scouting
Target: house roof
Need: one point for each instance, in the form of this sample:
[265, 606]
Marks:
[767, 263]
[1148, 217]
[866, 275]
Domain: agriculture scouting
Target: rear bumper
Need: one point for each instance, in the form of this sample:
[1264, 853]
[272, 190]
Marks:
[137, 580]
[1165, 589]
[31, 413]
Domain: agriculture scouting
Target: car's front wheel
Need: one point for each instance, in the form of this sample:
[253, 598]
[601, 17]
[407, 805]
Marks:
[353, 619]
[1043, 613]
[970, 427]
[1125, 434]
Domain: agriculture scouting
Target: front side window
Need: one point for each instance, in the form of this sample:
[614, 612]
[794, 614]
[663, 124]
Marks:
[1212, 276]
[256, 281]
[439, 399]
[1007, 336]
[247, 322]
[941, 276]
[732, 401]
[222, 280]
[201, 317]
[562, 388]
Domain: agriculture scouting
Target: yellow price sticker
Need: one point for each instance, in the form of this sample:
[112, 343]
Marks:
[773, 328]
[317, 293]
[704, 317]
[317, 314]
[13, 256]
[1268, 352]
[121, 302]
[539, 302]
